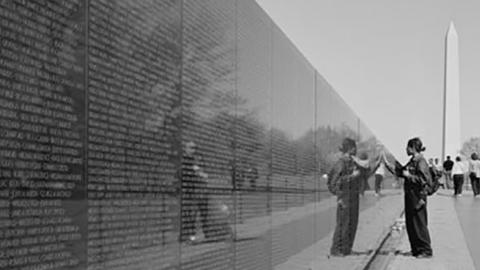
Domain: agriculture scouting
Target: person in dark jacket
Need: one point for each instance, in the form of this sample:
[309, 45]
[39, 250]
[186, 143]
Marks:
[344, 181]
[417, 179]
[447, 168]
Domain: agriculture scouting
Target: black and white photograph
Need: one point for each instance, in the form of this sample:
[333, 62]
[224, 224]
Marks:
[239, 135]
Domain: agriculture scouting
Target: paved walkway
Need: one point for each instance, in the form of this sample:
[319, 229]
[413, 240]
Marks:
[373, 225]
[448, 242]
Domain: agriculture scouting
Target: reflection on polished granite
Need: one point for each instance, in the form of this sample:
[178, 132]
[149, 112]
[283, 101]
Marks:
[102, 100]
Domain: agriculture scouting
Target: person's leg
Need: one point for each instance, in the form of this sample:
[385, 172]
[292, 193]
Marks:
[455, 184]
[378, 180]
[472, 182]
[475, 185]
[353, 215]
[449, 179]
[361, 186]
[367, 185]
[460, 183]
[341, 230]
[420, 222]
[409, 212]
[203, 206]
[188, 217]
[380, 184]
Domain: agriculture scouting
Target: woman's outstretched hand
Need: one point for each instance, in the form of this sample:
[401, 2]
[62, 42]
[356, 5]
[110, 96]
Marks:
[360, 162]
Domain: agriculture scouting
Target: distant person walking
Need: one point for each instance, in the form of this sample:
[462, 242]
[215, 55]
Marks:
[438, 165]
[458, 171]
[379, 174]
[475, 174]
[439, 168]
[434, 171]
[364, 173]
[447, 168]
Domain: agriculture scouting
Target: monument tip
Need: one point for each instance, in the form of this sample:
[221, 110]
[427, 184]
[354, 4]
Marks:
[451, 27]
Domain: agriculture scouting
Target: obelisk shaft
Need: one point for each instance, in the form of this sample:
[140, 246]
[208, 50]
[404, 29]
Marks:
[451, 99]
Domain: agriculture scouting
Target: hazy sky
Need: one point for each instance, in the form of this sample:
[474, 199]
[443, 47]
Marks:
[386, 58]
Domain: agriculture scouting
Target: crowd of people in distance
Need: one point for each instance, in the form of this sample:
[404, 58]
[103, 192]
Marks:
[456, 173]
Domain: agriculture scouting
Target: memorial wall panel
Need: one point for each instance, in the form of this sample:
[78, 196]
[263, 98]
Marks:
[325, 134]
[327, 154]
[208, 126]
[252, 151]
[133, 134]
[155, 134]
[293, 146]
[42, 118]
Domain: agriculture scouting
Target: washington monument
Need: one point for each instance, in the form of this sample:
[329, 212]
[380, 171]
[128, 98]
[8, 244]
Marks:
[451, 143]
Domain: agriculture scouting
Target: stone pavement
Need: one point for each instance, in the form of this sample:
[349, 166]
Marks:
[450, 250]
[374, 223]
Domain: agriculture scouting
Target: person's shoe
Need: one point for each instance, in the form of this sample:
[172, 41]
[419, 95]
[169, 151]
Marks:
[404, 253]
[337, 255]
[423, 256]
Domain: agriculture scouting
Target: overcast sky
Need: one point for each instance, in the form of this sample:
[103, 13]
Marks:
[386, 58]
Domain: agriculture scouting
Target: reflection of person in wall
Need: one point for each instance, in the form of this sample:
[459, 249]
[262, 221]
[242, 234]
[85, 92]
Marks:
[379, 174]
[344, 181]
[363, 185]
[195, 199]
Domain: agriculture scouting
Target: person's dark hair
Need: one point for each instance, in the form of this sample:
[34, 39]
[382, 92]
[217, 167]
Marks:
[458, 159]
[347, 144]
[416, 144]
[448, 157]
[474, 156]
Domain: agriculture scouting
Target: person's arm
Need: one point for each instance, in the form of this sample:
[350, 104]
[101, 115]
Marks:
[396, 169]
[422, 175]
[390, 167]
[361, 163]
[334, 177]
[377, 164]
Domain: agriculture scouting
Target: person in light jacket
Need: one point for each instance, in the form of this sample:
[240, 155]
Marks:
[475, 174]
[458, 172]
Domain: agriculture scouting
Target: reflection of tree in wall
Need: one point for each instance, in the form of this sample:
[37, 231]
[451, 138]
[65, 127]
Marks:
[305, 154]
[329, 139]
[134, 65]
[252, 148]
[283, 154]
[471, 146]
[208, 94]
